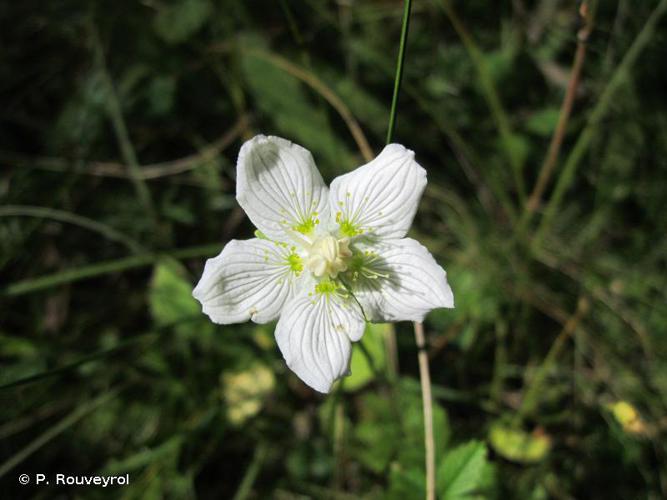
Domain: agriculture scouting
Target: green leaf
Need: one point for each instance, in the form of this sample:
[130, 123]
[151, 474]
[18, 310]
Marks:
[161, 94]
[296, 113]
[377, 434]
[391, 427]
[170, 295]
[178, 22]
[543, 122]
[411, 450]
[517, 445]
[406, 483]
[519, 147]
[461, 473]
[362, 371]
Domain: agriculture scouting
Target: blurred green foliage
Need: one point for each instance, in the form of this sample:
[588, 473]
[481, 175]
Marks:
[550, 376]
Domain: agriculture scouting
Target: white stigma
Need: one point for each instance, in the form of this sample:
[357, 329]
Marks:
[328, 256]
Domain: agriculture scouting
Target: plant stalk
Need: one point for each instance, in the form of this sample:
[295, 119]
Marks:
[427, 401]
[424, 375]
[599, 111]
[407, 6]
[551, 158]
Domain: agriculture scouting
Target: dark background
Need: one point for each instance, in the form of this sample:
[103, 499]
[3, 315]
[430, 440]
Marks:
[120, 123]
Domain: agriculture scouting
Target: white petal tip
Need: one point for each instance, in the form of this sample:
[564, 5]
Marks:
[321, 386]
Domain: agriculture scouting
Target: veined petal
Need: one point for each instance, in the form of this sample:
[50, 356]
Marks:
[398, 280]
[314, 334]
[279, 187]
[380, 197]
[250, 279]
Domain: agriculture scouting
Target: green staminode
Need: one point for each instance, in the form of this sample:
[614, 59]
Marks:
[326, 287]
[306, 227]
[295, 263]
[349, 229]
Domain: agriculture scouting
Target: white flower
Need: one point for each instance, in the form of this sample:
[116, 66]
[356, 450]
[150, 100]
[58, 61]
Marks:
[325, 260]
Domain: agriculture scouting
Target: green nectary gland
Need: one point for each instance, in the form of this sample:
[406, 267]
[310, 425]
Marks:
[295, 263]
[307, 226]
[349, 229]
[326, 287]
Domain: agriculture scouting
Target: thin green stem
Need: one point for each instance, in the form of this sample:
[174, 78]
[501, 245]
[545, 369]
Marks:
[465, 155]
[407, 5]
[62, 216]
[101, 268]
[390, 338]
[424, 376]
[120, 128]
[499, 363]
[535, 388]
[250, 476]
[53, 431]
[491, 96]
[566, 176]
[121, 346]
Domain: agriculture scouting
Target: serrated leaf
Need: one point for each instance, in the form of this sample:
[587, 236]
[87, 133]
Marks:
[461, 472]
[406, 483]
[391, 427]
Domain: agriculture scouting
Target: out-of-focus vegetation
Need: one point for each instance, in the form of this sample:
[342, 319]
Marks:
[119, 127]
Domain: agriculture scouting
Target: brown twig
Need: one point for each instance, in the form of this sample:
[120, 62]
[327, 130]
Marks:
[165, 169]
[329, 95]
[566, 108]
[146, 172]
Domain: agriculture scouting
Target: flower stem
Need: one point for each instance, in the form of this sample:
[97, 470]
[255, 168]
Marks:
[427, 401]
[245, 488]
[424, 375]
[407, 5]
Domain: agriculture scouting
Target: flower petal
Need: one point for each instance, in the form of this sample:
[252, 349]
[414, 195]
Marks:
[398, 280]
[380, 197]
[279, 187]
[250, 279]
[314, 334]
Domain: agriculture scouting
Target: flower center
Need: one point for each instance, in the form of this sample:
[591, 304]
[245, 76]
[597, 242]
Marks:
[328, 256]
